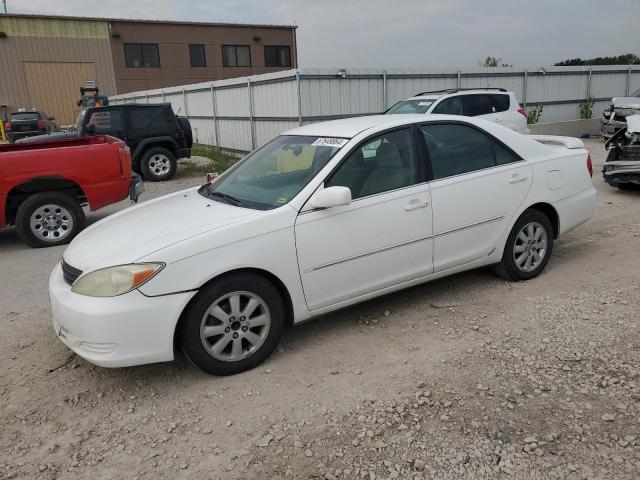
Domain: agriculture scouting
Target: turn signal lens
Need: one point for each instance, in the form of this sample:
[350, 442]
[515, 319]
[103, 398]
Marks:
[589, 165]
[113, 281]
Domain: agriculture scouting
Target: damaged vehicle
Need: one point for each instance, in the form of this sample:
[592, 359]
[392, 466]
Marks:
[622, 167]
[614, 116]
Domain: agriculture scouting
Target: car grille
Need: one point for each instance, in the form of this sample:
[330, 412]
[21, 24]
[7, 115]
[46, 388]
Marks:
[70, 273]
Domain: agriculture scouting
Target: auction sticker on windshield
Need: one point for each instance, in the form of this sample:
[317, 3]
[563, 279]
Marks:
[330, 142]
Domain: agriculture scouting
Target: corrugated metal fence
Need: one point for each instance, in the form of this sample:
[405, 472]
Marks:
[241, 113]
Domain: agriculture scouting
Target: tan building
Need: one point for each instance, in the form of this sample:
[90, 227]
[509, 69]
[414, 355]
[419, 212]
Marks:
[45, 59]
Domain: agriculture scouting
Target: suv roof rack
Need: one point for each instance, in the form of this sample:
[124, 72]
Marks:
[455, 90]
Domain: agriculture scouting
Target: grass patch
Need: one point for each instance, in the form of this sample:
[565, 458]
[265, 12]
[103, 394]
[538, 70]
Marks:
[219, 161]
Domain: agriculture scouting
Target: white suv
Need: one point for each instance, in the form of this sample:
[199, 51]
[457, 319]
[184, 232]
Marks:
[493, 104]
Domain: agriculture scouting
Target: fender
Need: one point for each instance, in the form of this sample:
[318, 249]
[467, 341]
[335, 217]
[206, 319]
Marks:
[144, 144]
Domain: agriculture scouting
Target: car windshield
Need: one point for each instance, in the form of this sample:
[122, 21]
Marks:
[25, 116]
[272, 175]
[411, 106]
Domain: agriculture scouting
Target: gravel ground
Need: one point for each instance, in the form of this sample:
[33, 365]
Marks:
[468, 376]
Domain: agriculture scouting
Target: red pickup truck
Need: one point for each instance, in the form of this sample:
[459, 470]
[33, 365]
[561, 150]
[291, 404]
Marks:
[43, 186]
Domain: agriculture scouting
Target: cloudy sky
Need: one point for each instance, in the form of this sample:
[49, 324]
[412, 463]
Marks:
[363, 33]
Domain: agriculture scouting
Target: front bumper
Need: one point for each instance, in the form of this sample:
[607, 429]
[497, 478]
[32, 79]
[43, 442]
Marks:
[621, 171]
[130, 329]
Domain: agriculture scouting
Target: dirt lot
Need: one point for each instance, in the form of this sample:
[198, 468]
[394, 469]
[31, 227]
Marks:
[467, 376]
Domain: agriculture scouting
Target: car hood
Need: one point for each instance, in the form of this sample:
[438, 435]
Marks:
[626, 102]
[139, 231]
[48, 136]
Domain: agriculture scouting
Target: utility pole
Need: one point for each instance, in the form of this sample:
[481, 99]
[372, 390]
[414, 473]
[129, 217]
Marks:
[4, 3]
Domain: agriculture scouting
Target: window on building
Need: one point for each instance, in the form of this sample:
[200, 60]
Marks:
[197, 55]
[277, 56]
[142, 55]
[236, 56]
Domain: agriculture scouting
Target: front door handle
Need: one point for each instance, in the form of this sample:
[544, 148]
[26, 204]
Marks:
[516, 177]
[415, 205]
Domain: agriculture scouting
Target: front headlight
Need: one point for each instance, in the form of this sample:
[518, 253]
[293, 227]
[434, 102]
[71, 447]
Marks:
[113, 281]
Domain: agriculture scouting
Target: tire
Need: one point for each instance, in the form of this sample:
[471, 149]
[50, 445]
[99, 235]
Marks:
[513, 266]
[158, 164]
[210, 341]
[48, 219]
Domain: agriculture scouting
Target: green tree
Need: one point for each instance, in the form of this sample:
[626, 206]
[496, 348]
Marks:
[625, 59]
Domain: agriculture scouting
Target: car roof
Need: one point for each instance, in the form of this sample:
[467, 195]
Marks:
[350, 127]
[455, 91]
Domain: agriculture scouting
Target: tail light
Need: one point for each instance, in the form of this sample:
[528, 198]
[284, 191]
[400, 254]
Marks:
[589, 165]
[42, 124]
[522, 111]
[7, 126]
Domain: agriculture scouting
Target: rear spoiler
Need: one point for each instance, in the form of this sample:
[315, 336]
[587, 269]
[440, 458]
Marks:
[567, 142]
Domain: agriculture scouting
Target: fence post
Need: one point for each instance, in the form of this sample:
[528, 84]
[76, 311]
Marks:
[459, 79]
[589, 84]
[299, 95]
[216, 129]
[384, 90]
[251, 119]
[184, 102]
[524, 89]
[163, 99]
[628, 86]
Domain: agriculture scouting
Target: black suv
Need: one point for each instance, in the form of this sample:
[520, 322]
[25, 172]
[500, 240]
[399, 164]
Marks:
[156, 136]
[28, 123]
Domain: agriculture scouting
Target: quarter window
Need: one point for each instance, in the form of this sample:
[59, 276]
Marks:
[385, 162]
[500, 102]
[236, 56]
[106, 120]
[142, 55]
[458, 149]
[277, 56]
[197, 55]
[473, 105]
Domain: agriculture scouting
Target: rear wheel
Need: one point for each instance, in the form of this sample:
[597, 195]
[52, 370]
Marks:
[158, 164]
[233, 324]
[48, 219]
[528, 247]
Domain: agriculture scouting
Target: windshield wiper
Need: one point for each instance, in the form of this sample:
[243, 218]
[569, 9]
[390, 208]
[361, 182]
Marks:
[228, 198]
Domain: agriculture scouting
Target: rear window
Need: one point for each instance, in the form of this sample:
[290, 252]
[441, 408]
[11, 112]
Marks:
[410, 106]
[25, 116]
[153, 120]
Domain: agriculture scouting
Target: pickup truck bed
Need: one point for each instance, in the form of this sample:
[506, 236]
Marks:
[44, 185]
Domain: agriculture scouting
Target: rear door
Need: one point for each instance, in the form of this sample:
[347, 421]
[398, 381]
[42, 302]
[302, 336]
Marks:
[478, 185]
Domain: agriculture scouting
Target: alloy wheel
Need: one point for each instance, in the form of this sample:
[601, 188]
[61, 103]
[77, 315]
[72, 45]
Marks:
[530, 247]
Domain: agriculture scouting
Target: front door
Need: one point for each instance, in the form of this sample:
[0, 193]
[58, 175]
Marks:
[383, 238]
[478, 185]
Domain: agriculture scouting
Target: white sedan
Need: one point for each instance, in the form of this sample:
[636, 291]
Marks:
[323, 216]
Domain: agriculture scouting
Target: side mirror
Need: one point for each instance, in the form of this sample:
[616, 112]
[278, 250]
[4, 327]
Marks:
[331, 197]
[90, 129]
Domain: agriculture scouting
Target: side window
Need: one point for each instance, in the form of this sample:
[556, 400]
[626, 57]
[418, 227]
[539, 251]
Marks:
[458, 149]
[449, 106]
[106, 120]
[473, 105]
[500, 102]
[385, 162]
[152, 121]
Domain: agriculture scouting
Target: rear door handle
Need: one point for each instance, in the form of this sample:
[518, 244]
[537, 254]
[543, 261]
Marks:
[415, 205]
[516, 177]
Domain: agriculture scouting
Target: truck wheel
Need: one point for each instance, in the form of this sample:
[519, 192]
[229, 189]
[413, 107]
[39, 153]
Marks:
[48, 219]
[158, 164]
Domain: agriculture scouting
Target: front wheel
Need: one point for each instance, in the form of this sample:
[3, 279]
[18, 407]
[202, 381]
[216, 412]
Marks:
[233, 324]
[158, 164]
[48, 219]
[528, 247]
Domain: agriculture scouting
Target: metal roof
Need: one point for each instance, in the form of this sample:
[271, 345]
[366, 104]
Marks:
[139, 20]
